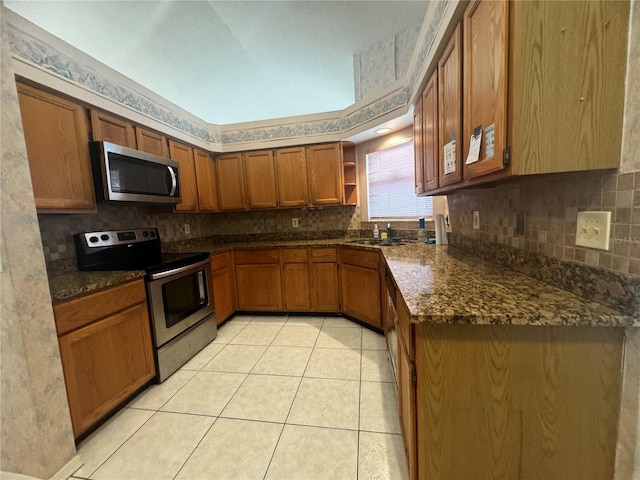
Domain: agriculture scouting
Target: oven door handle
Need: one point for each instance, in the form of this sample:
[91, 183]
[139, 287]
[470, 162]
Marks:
[176, 271]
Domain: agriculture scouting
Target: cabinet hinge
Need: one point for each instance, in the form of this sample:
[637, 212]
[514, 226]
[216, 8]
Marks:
[414, 376]
[506, 157]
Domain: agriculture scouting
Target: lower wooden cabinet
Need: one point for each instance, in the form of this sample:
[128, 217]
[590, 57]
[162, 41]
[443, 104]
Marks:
[258, 280]
[407, 406]
[295, 279]
[360, 285]
[324, 280]
[224, 297]
[106, 352]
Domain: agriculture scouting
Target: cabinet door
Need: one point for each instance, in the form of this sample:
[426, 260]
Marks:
[104, 363]
[183, 154]
[230, 177]
[108, 128]
[151, 142]
[223, 286]
[259, 287]
[407, 407]
[325, 173]
[260, 179]
[291, 175]
[450, 109]
[485, 85]
[430, 141]
[325, 287]
[295, 286]
[57, 138]
[206, 181]
[361, 294]
[417, 148]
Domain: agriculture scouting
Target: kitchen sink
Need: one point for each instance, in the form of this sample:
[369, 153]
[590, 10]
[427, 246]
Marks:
[374, 241]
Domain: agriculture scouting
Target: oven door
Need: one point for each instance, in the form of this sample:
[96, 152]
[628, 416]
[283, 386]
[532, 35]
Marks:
[178, 299]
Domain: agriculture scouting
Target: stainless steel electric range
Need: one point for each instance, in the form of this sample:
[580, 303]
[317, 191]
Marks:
[179, 289]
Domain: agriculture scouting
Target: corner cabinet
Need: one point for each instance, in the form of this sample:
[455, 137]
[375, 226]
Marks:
[106, 352]
[350, 176]
[56, 133]
[206, 183]
[183, 154]
[360, 285]
[223, 284]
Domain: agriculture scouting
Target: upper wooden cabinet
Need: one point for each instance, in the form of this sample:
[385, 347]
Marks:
[430, 154]
[183, 154]
[349, 173]
[109, 128]
[230, 177]
[56, 133]
[260, 179]
[417, 148]
[544, 85]
[325, 173]
[450, 111]
[291, 177]
[206, 181]
[151, 142]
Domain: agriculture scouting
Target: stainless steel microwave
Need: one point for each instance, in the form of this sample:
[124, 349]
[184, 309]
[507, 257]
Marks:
[123, 174]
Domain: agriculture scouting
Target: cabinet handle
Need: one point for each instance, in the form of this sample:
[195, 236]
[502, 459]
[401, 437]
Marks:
[174, 181]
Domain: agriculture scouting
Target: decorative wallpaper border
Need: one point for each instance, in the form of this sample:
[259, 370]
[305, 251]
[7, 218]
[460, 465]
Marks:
[28, 48]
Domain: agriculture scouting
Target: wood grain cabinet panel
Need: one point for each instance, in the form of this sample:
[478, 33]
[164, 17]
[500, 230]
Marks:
[361, 294]
[325, 286]
[325, 173]
[295, 286]
[291, 176]
[223, 274]
[108, 356]
[521, 402]
[259, 170]
[450, 107]
[109, 128]
[151, 142]
[407, 406]
[430, 140]
[418, 139]
[206, 183]
[258, 280]
[183, 154]
[56, 133]
[231, 182]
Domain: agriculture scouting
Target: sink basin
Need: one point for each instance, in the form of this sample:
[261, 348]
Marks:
[373, 241]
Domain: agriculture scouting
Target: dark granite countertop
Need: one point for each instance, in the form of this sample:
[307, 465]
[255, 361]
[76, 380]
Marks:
[440, 284]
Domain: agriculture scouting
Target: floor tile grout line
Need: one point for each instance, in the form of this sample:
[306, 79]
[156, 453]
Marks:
[195, 448]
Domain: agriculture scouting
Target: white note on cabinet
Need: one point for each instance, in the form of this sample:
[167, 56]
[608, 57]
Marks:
[450, 157]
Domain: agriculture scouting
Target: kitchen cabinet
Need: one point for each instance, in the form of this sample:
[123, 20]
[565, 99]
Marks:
[360, 285]
[520, 402]
[231, 183]
[325, 173]
[206, 184]
[109, 128]
[324, 280]
[417, 148]
[291, 176]
[258, 280]
[56, 133]
[183, 154]
[349, 174]
[105, 347]
[259, 171]
[406, 383]
[430, 151]
[224, 297]
[295, 279]
[151, 142]
[450, 111]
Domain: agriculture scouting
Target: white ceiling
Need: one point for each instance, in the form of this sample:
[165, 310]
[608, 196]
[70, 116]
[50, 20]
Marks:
[230, 61]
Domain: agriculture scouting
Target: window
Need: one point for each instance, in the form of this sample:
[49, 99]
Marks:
[391, 185]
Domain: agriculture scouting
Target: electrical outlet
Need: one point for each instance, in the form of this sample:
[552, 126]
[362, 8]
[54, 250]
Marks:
[593, 230]
[294, 222]
[476, 220]
[187, 229]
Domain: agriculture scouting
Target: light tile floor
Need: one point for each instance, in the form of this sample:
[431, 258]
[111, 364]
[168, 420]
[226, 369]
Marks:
[273, 398]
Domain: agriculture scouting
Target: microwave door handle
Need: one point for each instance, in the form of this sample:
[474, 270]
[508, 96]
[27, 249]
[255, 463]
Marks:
[174, 181]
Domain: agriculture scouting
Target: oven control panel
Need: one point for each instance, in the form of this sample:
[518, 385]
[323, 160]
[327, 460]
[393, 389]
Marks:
[119, 237]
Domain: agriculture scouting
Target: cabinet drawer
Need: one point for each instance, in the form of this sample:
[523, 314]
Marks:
[244, 257]
[360, 258]
[324, 255]
[294, 255]
[220, 260]
[82, 311]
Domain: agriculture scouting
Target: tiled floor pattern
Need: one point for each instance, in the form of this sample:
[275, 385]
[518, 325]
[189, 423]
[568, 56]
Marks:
[271, 398]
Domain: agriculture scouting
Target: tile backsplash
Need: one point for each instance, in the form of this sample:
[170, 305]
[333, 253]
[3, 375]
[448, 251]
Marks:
[552, 203]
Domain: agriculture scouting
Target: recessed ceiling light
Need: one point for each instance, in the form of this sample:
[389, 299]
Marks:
[380, 131]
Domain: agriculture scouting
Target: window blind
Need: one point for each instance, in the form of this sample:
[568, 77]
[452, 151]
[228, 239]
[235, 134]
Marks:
[391, 185]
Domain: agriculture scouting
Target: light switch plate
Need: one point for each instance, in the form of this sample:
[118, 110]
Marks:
[476, 220]
[593, 230]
